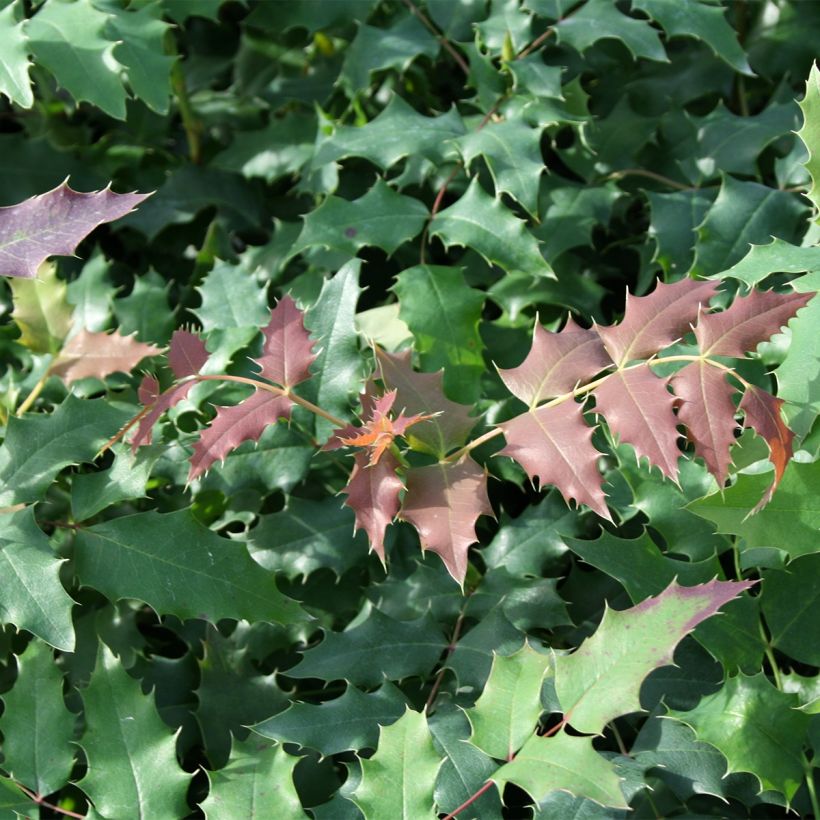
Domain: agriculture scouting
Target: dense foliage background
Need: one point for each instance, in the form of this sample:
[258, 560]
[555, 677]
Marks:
[442, 174]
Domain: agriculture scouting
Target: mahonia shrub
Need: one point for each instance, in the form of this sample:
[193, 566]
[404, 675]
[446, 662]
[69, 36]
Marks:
[527, 284]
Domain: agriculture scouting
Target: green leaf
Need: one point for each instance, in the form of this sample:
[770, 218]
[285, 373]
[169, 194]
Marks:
[375, 49]
[378, 647]
[775, 257]
[37, 727]
[507, 712]
[398, 780]
[337, 372]
[789, 601]
[485, 225]
[14, 63]
[810, 133]
[533, 76]
[599, 19]
[443, 313]
[737, 720]
[674, 219]
[601, 680]
[565, 762]
[153, 557]
[351, 721]
[789, 522]
[132, 764]
[398, 131]
[13, 803]
[146, 310]
[92, 293]
[37, 447]
[512, 151]
[231, 298]
[702, 22]
[744, 214]
[381, 218]
[41, 310]
[67, 38]
[257, 783]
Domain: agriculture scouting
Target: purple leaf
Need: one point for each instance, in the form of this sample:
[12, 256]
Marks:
[186, 354]
[150, 396]
[287, 353]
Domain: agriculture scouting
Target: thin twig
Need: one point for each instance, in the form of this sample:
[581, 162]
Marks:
[450, 649]
[641, 172]
[40, 802]
[446, 44]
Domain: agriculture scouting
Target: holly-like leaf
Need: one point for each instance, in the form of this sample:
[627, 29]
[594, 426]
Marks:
[256, 783]
[601, 680]
[245, 421]
[97, 355]
[231, 298]
[810, 133]
[373, 494]
[762, 413]
[398, 780]
[556, 363]
[443, 313]
[14, 65]
[565, 762]
[443, 502]
[398, 131]
[422, 394]
[377, 648]
[674, 218]
[287, 352]
[775, 257]
[38, 446]
[132, 763]
[638, 409]
[186, 353]
[708, 412]
[737, 720]
[655, 321]
[380, 218]
[150, 557]
[554, 445]
[158, 403]
[41, 310]
[507, 712]
[350, 722]
[54, 223]
[37, 727]
[482, 223]
[747, 322]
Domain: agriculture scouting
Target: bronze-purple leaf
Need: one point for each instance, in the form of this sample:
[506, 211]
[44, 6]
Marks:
[186, 354]
[53, 224]
[287, 352]
[158, 402]
[99, 355]
[554, 445]
[655, 321]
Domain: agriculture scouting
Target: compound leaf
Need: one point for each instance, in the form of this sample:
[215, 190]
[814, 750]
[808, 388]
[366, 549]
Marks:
[443, 502]
[287, 350]
[398, 780]
[351, 721]
[601, 680]
[54, 223]
[737, 720]
[132, 763]
[97, 355]
[180, 567]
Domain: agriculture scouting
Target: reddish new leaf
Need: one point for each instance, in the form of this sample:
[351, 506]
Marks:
[98, 355]
[762, 414]
[53, 224]
[233, 425]
[443, 502]
[708, 412]
[287, 352]
[638, 409]
[556, 363]
[373, 494]
[655, 321]
[186, 354]
[150, 396]
[747, 322]
[422, 394]
[554, 445]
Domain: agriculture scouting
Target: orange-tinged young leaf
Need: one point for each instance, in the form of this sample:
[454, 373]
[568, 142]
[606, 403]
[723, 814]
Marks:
[556, 363]
[233, 425]
[638, 409]
[287, 352]
[373, 494]
[708, 412]
[186, 354]
[747, 322]
[762, 414]
[554, 445]
[99, 355]
[655, 321]
[443, 502]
